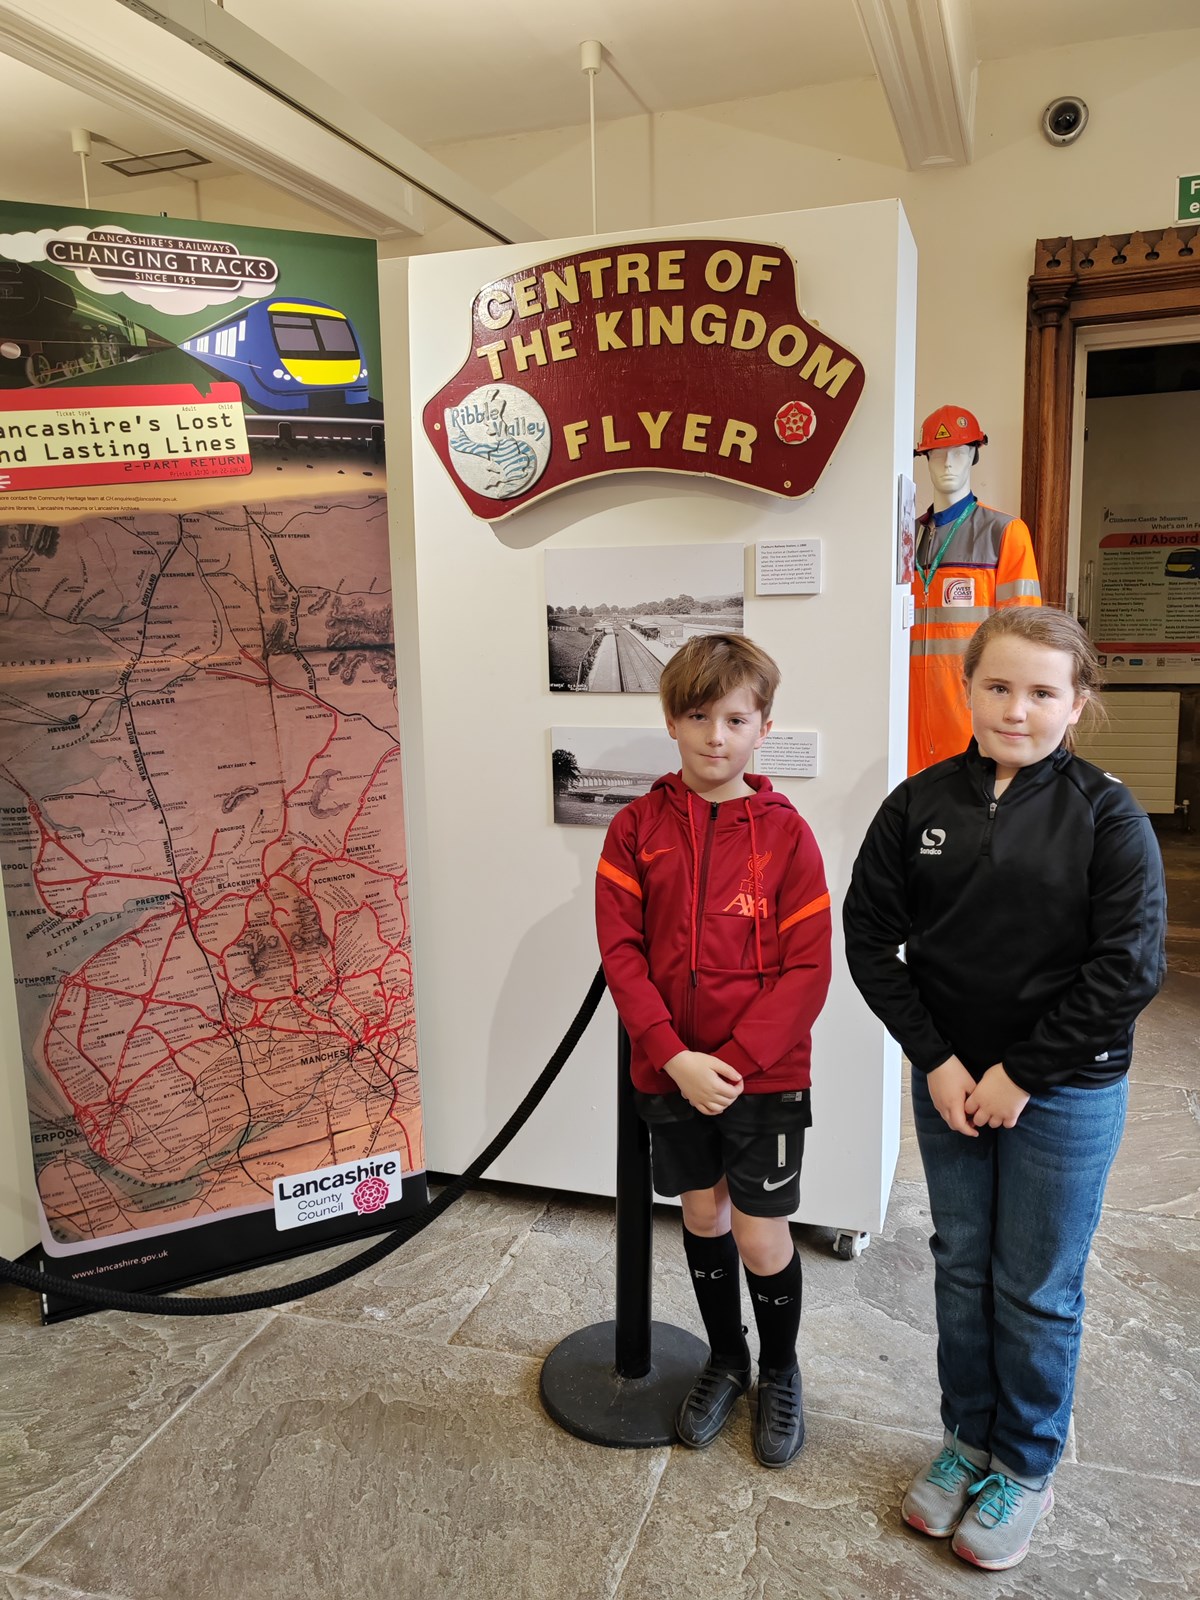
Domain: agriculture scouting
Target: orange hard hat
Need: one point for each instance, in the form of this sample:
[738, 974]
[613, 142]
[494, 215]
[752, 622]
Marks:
[946, 427]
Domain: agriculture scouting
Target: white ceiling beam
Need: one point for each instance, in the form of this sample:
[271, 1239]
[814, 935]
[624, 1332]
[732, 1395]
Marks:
[924, 55]
[115, 53]
[108, 52]
[220, 36]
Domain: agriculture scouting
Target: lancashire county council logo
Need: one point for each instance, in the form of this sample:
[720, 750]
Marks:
[370, 1195]
[796, 422]
[499, 440]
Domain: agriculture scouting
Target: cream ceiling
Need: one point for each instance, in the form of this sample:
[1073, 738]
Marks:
[470, 70]
[442, 72]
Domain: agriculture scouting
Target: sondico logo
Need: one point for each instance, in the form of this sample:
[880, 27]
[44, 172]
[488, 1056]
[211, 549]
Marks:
[932, 840]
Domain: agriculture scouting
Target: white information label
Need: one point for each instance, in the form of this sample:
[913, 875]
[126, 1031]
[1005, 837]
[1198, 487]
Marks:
[361, 1186]
[791, 567]
[788, 755]
[908, 609]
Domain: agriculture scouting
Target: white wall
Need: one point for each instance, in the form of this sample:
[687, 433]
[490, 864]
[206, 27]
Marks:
[235, 198]
[504, 939]
[975, 226]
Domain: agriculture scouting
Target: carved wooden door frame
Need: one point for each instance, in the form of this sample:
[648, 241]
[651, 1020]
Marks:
[1081, 283]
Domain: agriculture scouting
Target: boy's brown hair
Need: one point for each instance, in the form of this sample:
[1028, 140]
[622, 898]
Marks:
[710, 666]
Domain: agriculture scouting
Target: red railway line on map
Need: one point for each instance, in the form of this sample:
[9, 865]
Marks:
[333, 978]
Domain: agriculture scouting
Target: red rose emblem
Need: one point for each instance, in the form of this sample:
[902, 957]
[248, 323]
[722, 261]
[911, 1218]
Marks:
[796, 422]
[370, 1195]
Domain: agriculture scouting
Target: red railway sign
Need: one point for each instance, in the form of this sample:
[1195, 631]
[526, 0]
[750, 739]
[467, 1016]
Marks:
[687, 355]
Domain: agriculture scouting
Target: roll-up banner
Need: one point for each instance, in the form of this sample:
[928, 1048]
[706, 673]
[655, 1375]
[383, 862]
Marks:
[201, 821]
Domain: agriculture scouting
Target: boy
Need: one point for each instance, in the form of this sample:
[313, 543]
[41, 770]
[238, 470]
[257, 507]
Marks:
[714, 926]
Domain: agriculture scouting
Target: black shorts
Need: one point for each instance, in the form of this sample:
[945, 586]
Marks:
[756, 1144]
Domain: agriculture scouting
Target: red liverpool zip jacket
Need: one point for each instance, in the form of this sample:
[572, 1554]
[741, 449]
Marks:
[714, 928]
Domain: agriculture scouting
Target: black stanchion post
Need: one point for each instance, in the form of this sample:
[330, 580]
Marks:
[620, 1383]
[635, 1212]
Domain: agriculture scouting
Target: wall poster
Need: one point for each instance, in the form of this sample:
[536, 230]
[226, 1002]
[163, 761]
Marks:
[1144, 615]
[201, 824]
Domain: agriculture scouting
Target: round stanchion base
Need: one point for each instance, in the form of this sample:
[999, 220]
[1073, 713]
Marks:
[583, 1392]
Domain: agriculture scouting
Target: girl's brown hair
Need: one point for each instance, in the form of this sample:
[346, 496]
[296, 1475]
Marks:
[1056, 630]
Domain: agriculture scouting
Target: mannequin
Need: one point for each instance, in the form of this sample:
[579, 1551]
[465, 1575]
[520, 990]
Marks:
[971, 560]
[950, 473]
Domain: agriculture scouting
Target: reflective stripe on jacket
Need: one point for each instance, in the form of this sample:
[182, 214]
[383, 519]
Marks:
[988, 564]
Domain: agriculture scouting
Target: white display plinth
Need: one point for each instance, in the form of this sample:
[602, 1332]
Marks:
[504, 938]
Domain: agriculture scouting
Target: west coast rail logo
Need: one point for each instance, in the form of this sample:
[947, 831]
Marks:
[684, 355]
[362, 1186]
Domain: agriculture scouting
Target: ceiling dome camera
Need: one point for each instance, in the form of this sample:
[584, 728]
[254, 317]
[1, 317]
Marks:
[1064, 119]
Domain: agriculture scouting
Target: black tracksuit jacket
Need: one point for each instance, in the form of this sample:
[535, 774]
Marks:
[1033, 925]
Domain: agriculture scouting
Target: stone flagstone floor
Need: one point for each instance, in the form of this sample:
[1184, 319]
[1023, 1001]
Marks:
[384, 1440]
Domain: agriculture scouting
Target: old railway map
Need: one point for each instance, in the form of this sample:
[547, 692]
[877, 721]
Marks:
[203, 854]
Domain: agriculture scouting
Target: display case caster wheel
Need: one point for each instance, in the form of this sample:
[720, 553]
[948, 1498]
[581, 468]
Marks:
[848, 1243]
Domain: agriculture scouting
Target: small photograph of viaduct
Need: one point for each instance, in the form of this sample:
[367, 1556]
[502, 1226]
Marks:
[595, 771]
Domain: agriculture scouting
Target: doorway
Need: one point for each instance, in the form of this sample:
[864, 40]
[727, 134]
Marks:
[1134, 548]
[1134, 570]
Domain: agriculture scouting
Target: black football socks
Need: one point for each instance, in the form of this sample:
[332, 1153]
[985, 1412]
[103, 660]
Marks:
[713, 1264]
[776, 1301]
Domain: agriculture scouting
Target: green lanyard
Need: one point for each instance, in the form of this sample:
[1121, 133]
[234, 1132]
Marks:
[928, 573]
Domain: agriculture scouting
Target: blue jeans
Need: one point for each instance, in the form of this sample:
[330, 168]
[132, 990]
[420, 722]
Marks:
[1014, 1212]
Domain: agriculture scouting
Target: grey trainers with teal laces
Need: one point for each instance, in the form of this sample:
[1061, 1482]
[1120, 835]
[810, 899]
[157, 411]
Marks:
[996, 1530]
[940, 1494]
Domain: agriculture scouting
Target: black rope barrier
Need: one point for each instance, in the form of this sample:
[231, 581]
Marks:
[161, 1305]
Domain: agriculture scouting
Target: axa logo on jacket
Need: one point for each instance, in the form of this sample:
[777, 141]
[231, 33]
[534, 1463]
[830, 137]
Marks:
[749, 901]
[932, 840]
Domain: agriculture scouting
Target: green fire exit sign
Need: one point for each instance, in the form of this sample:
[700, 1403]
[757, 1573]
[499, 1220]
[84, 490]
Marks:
[1188, 207]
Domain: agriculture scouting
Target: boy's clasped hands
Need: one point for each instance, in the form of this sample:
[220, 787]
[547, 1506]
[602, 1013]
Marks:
[966, 1106]
[705, 1081]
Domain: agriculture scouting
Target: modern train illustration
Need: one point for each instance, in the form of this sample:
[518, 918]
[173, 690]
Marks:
[50, 330]
[288, 355]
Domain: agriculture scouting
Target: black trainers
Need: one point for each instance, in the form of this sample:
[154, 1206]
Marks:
[708, 1403]
[779, 1421]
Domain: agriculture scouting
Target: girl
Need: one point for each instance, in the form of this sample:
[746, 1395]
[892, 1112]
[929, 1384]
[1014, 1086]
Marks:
[1026, 887]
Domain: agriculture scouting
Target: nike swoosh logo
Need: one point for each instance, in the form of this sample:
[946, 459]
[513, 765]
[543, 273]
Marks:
[649, 855]
[779, 1182]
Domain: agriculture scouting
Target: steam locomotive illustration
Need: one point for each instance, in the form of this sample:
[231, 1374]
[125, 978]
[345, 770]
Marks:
[288, 355]
[50, 330]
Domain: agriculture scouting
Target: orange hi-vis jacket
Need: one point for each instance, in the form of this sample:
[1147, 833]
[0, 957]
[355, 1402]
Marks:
[987, 564]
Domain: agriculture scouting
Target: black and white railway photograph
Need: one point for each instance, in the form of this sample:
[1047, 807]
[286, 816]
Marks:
[595, 771]
[615, 617]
